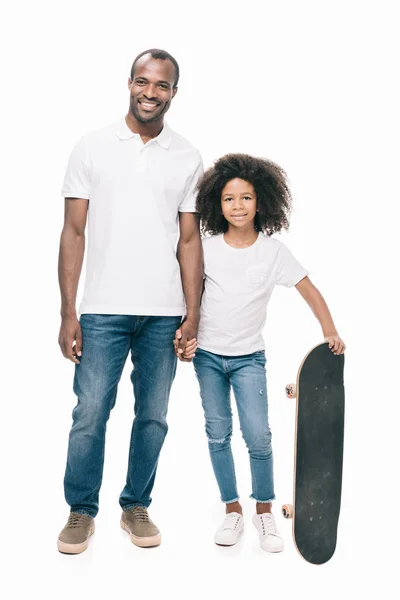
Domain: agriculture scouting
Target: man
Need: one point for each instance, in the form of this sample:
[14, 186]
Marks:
[133, 180]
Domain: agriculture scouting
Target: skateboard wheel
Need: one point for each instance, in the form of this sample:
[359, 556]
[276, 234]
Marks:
[287, 511]
[291, 390]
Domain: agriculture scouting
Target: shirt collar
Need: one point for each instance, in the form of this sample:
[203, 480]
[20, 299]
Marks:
[163, 139]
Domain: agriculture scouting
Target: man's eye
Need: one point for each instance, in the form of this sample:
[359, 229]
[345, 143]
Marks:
[139, 82]
[163, 86]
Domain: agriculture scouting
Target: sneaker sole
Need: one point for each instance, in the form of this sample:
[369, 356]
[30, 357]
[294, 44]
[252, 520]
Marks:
[272, 550]
[233, 543]
[142, 542]
[65, 548]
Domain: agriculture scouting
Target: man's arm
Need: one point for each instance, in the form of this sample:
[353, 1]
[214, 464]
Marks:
[316, 302]
[72, 249]
[190, 258]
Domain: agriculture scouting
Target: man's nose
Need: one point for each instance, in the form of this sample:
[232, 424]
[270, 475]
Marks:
[150, 91]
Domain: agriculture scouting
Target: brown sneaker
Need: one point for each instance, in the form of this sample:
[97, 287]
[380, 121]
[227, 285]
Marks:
[143, 532]
[74, 538]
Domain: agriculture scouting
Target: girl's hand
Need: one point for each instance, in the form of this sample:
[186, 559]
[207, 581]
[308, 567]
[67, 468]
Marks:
[190, 349]
[336, 344]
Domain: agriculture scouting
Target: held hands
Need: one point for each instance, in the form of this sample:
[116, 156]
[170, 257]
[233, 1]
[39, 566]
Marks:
[336, 344]
[185, 343]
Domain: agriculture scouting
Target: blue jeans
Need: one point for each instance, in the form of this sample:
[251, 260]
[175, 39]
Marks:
[107, 340]
[246, 375]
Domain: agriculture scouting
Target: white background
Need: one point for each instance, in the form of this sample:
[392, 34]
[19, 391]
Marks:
[311, 85]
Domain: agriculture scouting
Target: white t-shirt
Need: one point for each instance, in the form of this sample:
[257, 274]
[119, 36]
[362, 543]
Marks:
[238, 286]
[135, 191]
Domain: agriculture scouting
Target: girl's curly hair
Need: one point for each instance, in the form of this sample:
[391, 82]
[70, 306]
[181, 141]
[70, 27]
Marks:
[274, 200]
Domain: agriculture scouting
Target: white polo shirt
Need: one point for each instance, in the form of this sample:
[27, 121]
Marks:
[135, 192]
[238, 285]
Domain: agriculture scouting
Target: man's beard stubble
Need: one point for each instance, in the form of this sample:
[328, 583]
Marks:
[151, 118]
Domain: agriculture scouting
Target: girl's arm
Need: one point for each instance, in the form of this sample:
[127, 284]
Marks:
[320, 309]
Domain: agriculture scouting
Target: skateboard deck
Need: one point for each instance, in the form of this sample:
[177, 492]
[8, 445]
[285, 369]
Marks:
[318, 454]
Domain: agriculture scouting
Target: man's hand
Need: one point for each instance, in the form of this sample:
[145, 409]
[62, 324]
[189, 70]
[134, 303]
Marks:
[70, 332]
[185, 342]
[336, 344]
[188, 352]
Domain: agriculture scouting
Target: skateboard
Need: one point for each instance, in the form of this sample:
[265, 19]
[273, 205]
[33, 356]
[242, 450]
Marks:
[318, 454]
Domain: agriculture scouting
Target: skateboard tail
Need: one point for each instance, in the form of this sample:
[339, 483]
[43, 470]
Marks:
[317, 554]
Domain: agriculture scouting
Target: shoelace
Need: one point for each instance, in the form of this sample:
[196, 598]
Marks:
[76, 520]
[229, 522]
[140, 514]
[268, 524]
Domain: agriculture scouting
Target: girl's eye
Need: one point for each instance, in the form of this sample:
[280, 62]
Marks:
[247, 198]
[228, 199]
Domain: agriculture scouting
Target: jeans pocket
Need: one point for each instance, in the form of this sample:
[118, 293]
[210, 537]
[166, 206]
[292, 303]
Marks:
[259, 357]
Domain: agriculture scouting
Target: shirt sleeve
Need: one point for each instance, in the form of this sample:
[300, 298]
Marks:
[77, 180]
[289, 271]
[188, 203]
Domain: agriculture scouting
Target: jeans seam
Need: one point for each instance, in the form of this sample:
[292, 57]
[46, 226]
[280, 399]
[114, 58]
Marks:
[233, 470]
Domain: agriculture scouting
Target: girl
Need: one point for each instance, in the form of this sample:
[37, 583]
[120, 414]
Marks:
[242, 201]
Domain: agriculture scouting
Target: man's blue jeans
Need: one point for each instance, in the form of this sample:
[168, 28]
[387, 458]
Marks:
[107, 341]
[247, 377]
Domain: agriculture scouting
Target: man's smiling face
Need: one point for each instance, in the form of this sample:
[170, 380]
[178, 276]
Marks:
[152, 88]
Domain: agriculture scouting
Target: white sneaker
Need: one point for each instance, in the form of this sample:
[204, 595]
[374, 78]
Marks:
[229, 532]
[270, 539]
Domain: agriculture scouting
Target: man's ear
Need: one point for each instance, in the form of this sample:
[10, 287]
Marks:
[174, 92]
[129, 83]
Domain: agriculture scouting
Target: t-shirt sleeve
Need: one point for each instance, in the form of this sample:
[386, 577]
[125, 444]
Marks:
[77, 180]
[188, 203]
[289, 271]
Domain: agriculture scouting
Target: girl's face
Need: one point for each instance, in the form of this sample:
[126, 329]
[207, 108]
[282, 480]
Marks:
[239, 203]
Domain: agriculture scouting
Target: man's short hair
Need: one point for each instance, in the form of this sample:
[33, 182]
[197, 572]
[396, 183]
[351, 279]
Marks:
[161, 55]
